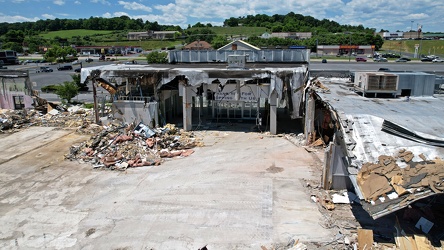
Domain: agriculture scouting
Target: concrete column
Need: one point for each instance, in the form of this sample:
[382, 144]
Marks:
[237, 94]
[204, 95]
[273, 112]
[187, 115]
[201, 103]
[309, 116]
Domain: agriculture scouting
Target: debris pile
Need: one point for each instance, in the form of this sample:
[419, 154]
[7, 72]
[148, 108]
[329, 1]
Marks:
[386, 179]
[56, 116]
[118, 147]
[10, 119]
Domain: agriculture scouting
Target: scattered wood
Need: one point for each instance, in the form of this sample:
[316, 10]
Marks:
[365, 239]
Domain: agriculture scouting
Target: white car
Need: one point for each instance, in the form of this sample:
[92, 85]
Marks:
[438, 60]
[76, 62]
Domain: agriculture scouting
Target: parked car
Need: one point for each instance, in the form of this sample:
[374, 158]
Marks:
[405, 58]
[45, 69]
[401, 60]
[78, 70]
[76, 62]
[383, 69]
[438, 60]
[89, 60]
[65, 67]
[426, 59]
[380, 59]
[324, 60]
[361, 59]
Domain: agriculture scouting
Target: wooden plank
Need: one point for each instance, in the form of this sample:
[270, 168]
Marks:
[365, 239]
[422, 243]
[406, 243]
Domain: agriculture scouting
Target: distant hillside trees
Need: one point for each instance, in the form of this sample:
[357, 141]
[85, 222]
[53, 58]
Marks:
[292, 22]
[94, 23]
[202, 34]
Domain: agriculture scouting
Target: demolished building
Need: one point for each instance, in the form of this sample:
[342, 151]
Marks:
[388, 149]
[16, 89]
[159, 94]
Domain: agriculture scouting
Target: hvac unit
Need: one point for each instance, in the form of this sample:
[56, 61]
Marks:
[376, 82]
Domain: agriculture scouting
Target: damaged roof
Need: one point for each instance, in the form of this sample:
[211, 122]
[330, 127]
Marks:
[280, 78]
[393, 146]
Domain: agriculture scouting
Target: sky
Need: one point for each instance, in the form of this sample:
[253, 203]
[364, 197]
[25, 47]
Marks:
[392, 15]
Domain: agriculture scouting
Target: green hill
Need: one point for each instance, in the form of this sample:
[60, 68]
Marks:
[74, 33]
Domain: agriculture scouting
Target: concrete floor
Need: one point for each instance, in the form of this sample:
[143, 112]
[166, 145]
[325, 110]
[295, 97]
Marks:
[240, 191]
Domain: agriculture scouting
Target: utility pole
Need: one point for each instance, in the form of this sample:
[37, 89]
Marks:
[316, 35]
[350, 48]
[411, 26]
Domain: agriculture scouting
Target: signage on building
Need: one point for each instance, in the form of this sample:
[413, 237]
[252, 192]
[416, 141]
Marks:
[247, 93]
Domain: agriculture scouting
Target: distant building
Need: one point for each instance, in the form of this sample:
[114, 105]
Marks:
[16, 89]
[400, 35]
[239, 45]
[198, 45]
[288, 35]
[157, 35]
[96, 50]
[345, 49]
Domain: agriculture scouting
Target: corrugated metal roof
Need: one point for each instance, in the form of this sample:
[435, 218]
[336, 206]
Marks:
[362, 119]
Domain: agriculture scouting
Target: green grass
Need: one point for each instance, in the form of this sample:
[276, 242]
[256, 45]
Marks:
[73, 33]
[427, 47]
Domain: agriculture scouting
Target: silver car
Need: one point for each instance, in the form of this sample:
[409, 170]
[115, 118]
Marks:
[380, 59]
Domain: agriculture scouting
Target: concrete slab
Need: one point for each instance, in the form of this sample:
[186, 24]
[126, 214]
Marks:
[241, 191]
[19, 143]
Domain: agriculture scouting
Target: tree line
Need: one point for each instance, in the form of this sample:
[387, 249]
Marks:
[92, 23]
[292, 22]
[326, 32]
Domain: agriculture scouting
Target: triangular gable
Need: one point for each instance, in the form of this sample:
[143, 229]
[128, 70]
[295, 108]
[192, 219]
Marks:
[243, 43]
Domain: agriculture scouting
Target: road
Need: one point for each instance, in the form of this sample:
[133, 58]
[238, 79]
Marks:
[57, 77]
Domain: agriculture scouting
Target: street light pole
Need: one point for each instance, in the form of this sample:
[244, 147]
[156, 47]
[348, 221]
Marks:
[349, 49]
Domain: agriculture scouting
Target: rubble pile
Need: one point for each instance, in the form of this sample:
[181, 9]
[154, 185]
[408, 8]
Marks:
[11, 119]
[118, 147]
[386, 178]
[73, 117]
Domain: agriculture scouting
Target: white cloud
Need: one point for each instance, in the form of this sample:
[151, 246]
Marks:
[18, 1]
[15, 19]
[120, 13]
[134, 6]
[107, 15]
[116, 14]
[48, 16]
[77, 2]
[59, 2]
[104, 2]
